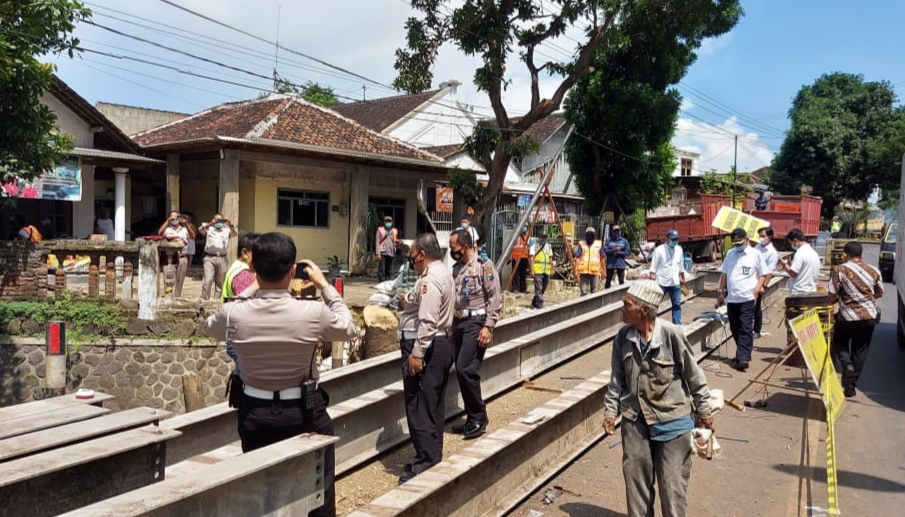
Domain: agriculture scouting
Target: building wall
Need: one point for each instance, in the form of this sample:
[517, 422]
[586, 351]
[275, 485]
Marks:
[441, 122]
[83, 211]
[694, 157]
[132, 119]
[550, 149]
[69, 122]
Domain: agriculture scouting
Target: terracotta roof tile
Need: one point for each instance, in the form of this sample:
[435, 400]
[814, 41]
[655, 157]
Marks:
[543, 129]
[379, 114]
[445, 151]
[283, 119]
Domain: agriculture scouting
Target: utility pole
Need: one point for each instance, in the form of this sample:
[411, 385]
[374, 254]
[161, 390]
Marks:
[735, 172]
[364, 92]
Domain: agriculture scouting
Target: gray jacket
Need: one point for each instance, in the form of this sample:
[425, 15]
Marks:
[664, 385]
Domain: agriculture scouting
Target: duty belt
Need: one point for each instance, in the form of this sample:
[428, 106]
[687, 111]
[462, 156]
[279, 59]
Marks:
[407, 335]
[465, 313]
[287, 394]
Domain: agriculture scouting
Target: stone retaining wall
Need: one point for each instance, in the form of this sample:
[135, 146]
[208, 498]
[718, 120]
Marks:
[138, 373]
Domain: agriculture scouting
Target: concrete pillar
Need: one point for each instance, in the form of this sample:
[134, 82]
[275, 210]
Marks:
[229, 192]
[172, 182]
[119, 217]
[83, 211]
[358, 207]
[148, 273]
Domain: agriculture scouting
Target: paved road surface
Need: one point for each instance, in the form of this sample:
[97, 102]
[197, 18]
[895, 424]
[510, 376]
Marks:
[773, 459]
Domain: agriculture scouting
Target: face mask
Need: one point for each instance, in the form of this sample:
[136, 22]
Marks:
[174, 222]
[413, 262]
[589, 239]
[456, 255]
[739, 245]
[763, 241]
[388, 225]
[218, 225]
[464, 226]
[673, 244]
[794, 247]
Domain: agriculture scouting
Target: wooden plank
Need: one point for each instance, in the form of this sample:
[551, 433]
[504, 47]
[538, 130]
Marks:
[285, 478]
[61, 480]
[51, 404]
[32, 443]
[48, 419]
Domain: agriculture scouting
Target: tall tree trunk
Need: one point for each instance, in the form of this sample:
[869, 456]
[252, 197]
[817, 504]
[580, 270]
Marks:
[487, 203]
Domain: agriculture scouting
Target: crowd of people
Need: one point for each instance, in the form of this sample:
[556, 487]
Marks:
[449, 316]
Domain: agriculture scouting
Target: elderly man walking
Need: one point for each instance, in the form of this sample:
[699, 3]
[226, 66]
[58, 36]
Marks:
[660, 391]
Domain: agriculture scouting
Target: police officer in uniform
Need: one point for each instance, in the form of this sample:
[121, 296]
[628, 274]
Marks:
[276, 338]
[478, 306]
[427, 352]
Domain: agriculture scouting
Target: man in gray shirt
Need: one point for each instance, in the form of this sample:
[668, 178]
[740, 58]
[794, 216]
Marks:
[660, 391]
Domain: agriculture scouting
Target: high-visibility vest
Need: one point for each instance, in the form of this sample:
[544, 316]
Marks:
[543, 261]
[386, 243]
[589, 261]
[236, 268]
[520, 250]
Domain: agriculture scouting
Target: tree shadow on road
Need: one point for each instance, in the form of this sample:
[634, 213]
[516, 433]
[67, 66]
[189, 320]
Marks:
[588, 510]
[845, 478]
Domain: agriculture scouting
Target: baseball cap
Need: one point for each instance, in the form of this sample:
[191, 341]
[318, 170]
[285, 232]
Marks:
[616, 227]
[672, 234]
[591, 229]
[738, 236]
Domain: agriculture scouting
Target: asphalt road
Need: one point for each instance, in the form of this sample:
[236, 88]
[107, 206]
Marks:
[774, 458]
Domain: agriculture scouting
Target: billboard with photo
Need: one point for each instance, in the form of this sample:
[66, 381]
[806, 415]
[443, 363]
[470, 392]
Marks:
[62, 183]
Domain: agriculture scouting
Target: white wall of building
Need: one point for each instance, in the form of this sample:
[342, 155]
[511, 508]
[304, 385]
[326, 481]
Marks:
[688, 155]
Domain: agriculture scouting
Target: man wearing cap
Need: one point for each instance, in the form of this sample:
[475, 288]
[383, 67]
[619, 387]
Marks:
[667, 267]
[660, 391]
[616, 250]
[276, 338]
[387, 243]
[591, 261]
[742, 278]
[541, 256]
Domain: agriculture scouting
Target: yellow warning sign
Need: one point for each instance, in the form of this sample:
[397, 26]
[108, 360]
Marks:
[728, 219]
[816, 352]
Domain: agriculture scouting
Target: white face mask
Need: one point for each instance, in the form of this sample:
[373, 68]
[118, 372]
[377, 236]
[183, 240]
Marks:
[763, 241]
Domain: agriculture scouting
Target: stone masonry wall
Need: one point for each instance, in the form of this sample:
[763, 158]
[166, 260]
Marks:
[140, 373]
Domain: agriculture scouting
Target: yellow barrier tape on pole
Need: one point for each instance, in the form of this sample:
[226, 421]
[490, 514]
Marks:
[728, 219]
[816, 352]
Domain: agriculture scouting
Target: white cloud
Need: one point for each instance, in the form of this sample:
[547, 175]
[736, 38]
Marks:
[711, 46]
[716, 145]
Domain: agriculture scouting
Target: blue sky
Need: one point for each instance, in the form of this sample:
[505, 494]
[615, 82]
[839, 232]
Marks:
[741, 84]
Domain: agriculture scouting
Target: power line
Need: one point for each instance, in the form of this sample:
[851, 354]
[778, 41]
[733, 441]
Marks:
[720, 105]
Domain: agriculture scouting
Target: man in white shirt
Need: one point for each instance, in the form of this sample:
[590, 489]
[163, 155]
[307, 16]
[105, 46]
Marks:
[771, 259]
[667, 267]
[742, 278]
[804, 266]
[217, 234]
[466, 225]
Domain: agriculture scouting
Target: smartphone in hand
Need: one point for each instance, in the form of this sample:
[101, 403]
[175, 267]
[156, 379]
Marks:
[301, 271]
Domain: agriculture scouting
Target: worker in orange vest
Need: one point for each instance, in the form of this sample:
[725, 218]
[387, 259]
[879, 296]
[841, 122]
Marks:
[519, 262]
[591, 262]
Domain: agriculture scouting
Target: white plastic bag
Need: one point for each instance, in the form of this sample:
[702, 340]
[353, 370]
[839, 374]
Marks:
[701, 439]
[380, 299]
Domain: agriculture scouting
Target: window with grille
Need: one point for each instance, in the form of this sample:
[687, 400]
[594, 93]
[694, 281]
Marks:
[686, 167]
[303, 208]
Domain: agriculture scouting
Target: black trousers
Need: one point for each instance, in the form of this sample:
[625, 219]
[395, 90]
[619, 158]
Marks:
[265, 422]
[425, 401]
[540, 287]
[758, 315]
[741, 323]
[385, 267]
[469, 356]
[609, 277]
[851, 342]
[520, 279]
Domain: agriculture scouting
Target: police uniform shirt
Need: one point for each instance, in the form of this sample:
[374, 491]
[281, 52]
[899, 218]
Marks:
[276, 335]
[428, 306]
[478, 287]
[743, 268]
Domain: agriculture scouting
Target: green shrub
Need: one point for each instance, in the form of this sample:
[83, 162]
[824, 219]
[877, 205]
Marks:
[84, 318]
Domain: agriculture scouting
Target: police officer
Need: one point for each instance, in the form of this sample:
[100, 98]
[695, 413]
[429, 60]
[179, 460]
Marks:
[478, 305]
[427, 352]
[276, 338]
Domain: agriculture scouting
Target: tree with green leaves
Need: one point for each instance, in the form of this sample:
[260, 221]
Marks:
[310, 91]
[627, 108]
[844, 141]
[29, 140]
[499, 32]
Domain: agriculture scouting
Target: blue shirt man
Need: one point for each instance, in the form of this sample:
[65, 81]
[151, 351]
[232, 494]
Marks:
[616, 249]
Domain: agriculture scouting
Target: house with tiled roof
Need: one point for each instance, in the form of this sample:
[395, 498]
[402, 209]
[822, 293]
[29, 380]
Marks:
[106, 170]
[282, 164]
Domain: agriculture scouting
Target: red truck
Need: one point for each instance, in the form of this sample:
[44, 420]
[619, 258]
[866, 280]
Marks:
[702, 240]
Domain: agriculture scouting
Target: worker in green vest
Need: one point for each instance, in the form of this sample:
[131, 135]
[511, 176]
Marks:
[240, 275]
[541, 257]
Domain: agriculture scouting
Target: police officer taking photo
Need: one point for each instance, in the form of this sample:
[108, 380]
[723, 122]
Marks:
[276, 337]
[478, 306]
[427, 353]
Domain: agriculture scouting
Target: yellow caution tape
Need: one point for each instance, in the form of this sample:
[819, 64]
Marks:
[832, 487]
